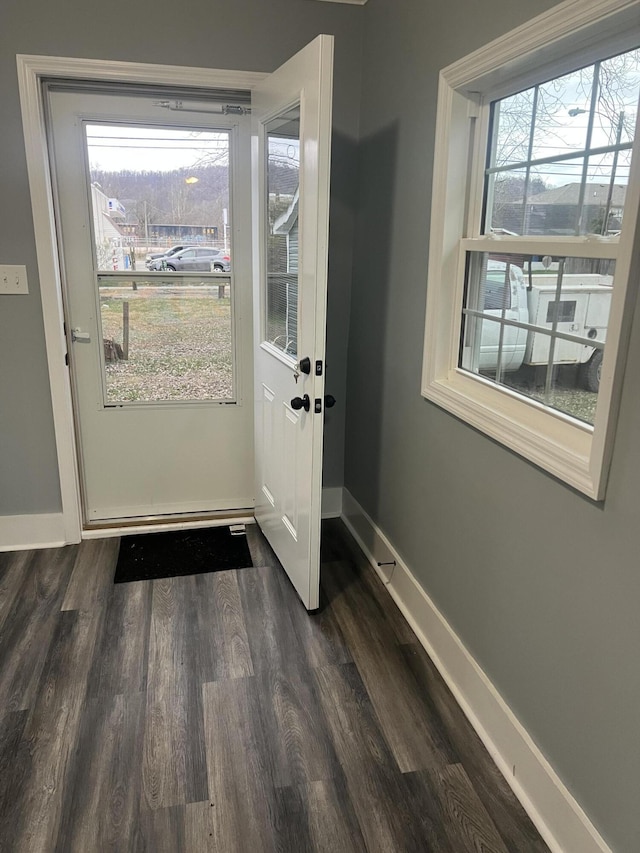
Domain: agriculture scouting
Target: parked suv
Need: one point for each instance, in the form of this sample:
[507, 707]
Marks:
[166, 253]
[193, 258]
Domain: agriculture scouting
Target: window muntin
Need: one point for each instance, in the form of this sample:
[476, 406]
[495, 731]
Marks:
[559, 152]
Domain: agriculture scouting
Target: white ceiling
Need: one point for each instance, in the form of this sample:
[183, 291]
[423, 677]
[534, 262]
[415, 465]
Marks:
[353, 2]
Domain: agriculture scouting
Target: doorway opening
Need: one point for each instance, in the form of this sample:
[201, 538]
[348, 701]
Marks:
[153, 211]
[154, 456]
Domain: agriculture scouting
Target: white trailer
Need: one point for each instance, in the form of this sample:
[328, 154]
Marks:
[582, 311]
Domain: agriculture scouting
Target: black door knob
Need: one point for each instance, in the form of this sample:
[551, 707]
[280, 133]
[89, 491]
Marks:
[301, 403]
[329, 401]
[305, 365]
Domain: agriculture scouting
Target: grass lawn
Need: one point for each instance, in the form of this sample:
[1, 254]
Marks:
[567, 395]
[180, 343]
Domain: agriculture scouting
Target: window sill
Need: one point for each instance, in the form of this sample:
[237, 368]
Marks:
[555, 442]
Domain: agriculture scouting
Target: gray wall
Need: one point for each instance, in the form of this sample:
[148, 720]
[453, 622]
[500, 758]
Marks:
[542, 585]
[244, 34]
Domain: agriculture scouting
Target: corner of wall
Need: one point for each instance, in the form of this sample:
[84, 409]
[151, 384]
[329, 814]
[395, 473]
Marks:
[558, 817]
[23, 532]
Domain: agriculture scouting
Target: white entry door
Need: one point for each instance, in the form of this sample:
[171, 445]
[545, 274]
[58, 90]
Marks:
[291, 113]
[160, 350]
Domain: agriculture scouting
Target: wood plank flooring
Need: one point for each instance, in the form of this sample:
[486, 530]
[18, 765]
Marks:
[212, 713]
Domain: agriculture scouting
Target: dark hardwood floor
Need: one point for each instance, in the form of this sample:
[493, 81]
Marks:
[212, 713]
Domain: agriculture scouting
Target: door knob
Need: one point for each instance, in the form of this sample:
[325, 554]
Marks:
[329, 401]
[304, 365]
[301, 403]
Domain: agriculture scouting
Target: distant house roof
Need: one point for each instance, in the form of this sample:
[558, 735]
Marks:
[595, 194]
[285, 222]
[111, 224]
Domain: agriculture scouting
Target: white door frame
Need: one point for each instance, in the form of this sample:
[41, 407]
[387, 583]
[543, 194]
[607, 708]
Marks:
[31, 71]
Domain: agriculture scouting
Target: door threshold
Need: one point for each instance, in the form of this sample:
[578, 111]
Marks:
[163, 523]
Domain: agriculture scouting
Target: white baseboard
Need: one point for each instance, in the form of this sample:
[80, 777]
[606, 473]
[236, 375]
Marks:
[332, 502]
[23, 532]
[556, 814]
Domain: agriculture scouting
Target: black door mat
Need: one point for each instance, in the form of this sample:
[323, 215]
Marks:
[181, 552]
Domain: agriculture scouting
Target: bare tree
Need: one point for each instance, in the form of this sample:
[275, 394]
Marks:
[537, 131]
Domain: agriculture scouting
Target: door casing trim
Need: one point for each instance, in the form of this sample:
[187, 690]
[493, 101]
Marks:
[31, 71]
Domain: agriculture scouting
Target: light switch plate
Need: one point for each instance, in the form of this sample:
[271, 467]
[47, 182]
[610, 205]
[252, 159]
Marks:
[13, 279]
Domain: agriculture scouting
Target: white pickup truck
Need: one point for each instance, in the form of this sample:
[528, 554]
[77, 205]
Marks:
[582, 311]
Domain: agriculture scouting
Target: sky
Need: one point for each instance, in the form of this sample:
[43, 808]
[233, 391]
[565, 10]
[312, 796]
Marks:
[561, 120]
[113, 148]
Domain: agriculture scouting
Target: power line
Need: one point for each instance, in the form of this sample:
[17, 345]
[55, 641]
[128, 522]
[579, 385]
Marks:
[217, 152]
[191, 140]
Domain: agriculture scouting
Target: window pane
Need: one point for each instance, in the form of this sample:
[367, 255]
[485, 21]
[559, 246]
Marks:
[534, 184]
[542, 200]
[156, 190]
[556, 132]
[505, 200]
[555, 209]
[512, 118]
[605, 193]
[166, 339]
[617, 104]
[283, 182]
[538, 325]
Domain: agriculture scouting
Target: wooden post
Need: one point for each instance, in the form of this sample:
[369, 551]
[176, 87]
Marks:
[221, 291]
[125, 329]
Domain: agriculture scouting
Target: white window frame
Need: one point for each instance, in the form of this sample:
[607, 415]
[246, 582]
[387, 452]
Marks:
[569, 36]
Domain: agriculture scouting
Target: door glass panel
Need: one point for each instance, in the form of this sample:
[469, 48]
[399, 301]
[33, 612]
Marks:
[160, 209]
[283, 188]
[157, 190]
[166, 338]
